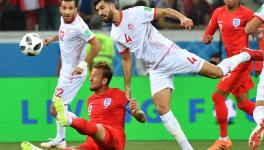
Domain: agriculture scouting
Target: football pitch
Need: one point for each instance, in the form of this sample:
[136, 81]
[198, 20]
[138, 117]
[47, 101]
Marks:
[150, 145]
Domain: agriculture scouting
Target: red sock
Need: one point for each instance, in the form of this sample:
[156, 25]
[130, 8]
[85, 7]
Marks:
[221, 113]
[258, 55]
[84, 127]
[247, 106]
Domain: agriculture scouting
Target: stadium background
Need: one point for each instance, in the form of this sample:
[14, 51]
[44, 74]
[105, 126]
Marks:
[27, 86]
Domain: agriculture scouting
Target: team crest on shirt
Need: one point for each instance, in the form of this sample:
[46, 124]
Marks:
[107, 102]
[130, 26]
[236, 22]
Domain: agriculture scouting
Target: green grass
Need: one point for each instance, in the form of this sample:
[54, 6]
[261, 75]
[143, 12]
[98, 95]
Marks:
[150, 145]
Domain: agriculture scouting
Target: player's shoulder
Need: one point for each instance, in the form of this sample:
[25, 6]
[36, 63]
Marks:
[220, 9]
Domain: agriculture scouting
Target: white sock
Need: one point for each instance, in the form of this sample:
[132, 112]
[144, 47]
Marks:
[229, 64]
[61, 131]
[71, 115]
[173, 126]
[258, 114]
[224, 138]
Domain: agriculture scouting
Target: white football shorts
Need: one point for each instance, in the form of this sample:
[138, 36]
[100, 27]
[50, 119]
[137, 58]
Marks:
[176, 61]
[68, 87]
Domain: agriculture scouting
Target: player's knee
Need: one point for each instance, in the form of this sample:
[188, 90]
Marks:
[162, 110]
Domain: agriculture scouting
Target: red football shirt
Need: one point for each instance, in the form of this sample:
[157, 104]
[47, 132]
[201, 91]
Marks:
[108, 108]
[231, 25]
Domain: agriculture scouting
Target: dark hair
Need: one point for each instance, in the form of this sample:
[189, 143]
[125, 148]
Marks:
[75, 2]
[107, 70]
[95, 2]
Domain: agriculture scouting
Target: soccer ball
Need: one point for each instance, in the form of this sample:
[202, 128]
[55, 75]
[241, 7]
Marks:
[31, 44]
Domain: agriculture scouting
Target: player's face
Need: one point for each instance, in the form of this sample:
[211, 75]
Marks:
[230, 4]
[104, 11]
[68, 11]
[96, 79]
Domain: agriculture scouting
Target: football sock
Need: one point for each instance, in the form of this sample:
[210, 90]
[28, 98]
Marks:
[70, 117]
[247, 106]
[173, 126]
[221, 113]
[60, 131]
[229, 64]
[224, 138]
[258, 114]
[84, 127]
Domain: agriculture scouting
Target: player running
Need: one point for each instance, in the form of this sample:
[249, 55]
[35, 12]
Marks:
[73, 37]
[231, 19]
[132, 31]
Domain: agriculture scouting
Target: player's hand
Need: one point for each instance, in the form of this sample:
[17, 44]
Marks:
[47, 41]
[207, 39]
[258, 34]
[134, 107]
[187, 23]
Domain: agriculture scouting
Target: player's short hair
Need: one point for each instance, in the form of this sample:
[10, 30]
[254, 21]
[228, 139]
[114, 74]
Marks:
[107, 70]
[95, 2]
[75, 2]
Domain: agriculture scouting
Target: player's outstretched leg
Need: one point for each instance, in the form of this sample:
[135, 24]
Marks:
[256, 136]
[28, 146]
[62, 113]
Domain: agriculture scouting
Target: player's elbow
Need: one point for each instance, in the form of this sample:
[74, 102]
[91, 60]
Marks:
[248, 30]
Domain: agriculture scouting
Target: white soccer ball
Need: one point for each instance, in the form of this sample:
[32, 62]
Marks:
[31, 44]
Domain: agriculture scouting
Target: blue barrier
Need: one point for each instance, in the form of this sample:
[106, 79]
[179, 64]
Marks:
[14, 64]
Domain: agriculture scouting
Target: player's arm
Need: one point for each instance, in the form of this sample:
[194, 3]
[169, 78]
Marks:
[253, 25]
[133, 109]
[96, 46]
[171, 13]
[211, 28]
[47, 41]
[127, 69]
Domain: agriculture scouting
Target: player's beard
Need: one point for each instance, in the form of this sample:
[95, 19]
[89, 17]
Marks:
[109, 18]
[95, 88]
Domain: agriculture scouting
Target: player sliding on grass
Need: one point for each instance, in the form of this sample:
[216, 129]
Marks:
[106, 108]
[132, 31]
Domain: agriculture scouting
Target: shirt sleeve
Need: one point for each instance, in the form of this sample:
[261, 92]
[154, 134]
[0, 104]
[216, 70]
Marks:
[121, 48]
[260, 13]
[212, 26]
[144, 14]
[86, 34]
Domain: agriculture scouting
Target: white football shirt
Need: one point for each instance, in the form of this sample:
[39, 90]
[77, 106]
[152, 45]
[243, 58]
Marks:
[136, 33]
[73, 38]
[260, 13]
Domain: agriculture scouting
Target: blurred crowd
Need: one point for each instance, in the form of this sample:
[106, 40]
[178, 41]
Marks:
[44, 14]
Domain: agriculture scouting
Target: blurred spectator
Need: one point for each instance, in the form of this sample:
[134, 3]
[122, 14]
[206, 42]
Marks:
[12, 18]
[49, 15]
[187, 4]
[153, 3]
[200, 12]
[217, 3]
[123, 4]
[215, 59]
[169, 23]
[86, 10]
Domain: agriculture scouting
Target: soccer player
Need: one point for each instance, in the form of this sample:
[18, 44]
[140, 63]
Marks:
[258, 114]
[132, 31]
[106, 108]
[73, 37]
[231, 19]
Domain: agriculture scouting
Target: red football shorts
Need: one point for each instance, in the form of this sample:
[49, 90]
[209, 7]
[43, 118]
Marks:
[114, 140]
[238, 81]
